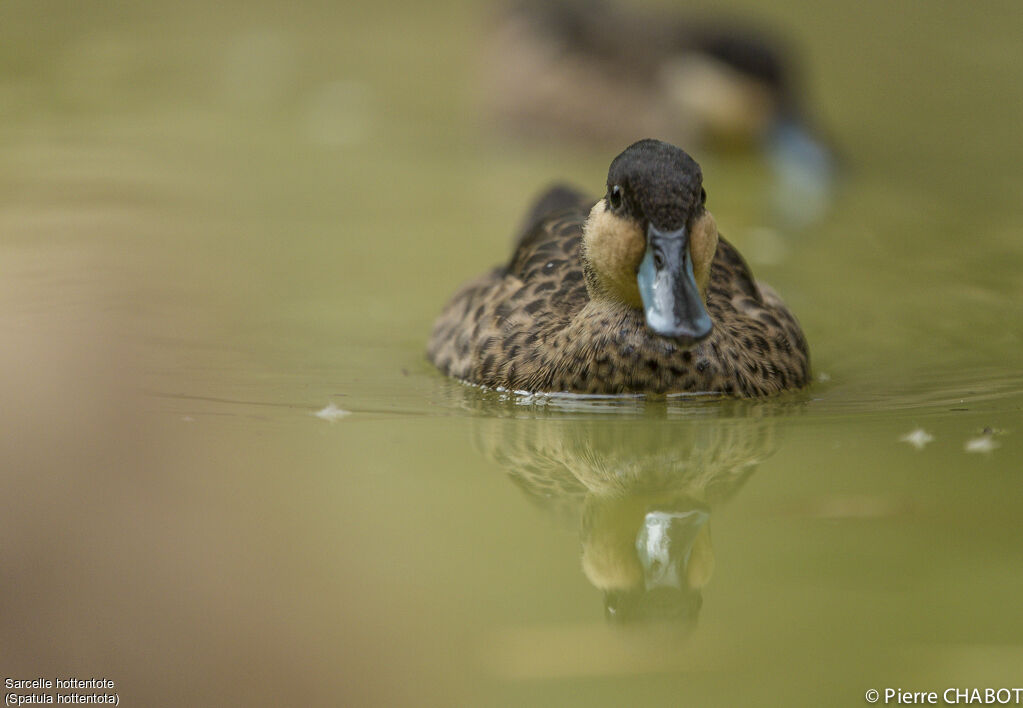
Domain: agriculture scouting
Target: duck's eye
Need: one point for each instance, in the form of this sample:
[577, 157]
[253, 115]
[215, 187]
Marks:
[703, 196]
[614, 197]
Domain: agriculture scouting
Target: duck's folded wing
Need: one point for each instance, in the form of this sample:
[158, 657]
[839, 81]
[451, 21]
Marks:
[558, 199]
[549, 246]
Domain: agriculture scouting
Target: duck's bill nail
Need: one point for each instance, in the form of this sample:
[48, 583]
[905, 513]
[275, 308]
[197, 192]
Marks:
[664, 543]
[671, 300]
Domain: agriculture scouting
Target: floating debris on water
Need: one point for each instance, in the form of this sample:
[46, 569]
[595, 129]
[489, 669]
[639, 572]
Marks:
[919, 438]
[332, 413]
[823, 377]
[985, 443]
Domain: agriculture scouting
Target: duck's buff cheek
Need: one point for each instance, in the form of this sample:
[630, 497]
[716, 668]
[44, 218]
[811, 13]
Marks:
[703, 243]
[614, 248]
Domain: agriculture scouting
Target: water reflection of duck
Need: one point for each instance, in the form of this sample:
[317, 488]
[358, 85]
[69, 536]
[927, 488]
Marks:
[642, 490]
[637, 294]
[592, 69]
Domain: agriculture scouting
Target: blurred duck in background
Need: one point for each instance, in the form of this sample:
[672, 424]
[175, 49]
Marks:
[596, 71]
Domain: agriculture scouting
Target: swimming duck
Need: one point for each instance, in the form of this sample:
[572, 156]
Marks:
[638, 293]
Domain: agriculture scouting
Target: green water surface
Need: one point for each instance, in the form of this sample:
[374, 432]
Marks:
[216, 219]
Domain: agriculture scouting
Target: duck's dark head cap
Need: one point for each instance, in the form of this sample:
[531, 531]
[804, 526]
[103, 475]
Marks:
[661, 183]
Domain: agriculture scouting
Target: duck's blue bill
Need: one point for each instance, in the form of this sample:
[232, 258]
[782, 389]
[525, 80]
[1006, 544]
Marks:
[671, 300]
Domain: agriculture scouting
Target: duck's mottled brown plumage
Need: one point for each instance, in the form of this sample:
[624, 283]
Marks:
[531, 325]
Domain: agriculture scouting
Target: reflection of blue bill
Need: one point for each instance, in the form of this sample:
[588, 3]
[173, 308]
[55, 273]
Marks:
[664, 545]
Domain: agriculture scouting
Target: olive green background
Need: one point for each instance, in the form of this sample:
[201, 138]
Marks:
[217, 218]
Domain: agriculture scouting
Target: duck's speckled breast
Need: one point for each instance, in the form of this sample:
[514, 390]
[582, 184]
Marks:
[531, 326]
